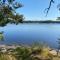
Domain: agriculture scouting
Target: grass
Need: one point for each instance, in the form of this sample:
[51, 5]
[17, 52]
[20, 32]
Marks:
[29, 53]
[7, 57]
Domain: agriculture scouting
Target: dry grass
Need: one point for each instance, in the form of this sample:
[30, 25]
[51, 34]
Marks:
[7, 57]
[35, 53]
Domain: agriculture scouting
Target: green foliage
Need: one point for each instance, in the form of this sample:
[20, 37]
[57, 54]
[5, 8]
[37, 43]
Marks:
[1, 36]
[25, 53]
[8, 12]
[22, 53]
[58, 18]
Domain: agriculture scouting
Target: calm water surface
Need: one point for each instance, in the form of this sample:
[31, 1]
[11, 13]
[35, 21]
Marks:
[29, 33]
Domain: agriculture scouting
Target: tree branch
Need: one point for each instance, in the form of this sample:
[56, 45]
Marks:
[47, 9]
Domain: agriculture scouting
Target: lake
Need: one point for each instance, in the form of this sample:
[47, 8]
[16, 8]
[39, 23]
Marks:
[29, 33]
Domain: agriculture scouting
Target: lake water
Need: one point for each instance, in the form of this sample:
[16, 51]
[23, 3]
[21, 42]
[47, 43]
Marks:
[29, 33]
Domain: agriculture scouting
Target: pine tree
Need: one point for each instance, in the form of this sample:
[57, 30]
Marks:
[8, 12]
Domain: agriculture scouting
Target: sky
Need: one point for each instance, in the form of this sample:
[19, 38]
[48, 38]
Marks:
[34, 9]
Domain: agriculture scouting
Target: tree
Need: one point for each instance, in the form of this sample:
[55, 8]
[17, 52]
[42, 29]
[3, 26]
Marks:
[8, 12]
[58, 18]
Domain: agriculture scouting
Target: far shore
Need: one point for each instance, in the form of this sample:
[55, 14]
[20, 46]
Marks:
[46, 21]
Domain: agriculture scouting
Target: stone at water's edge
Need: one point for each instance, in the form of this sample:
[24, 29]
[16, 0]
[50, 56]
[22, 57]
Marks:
[53, 52]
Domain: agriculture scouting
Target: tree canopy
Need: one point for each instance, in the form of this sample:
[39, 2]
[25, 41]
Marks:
[8, 12]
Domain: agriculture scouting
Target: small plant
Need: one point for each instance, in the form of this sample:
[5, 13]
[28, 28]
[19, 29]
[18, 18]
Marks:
[22, 53]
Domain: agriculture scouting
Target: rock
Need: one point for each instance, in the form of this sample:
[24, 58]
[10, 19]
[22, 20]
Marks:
[53, 52]
[39, 57]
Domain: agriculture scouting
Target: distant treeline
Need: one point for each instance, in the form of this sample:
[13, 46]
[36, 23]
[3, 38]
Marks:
[48, 21]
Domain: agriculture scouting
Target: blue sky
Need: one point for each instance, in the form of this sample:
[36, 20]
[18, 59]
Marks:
[34, 9]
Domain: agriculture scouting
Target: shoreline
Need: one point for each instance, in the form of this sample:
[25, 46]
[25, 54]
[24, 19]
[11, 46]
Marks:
[24, 45]
[48, 21]
[38, 52]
